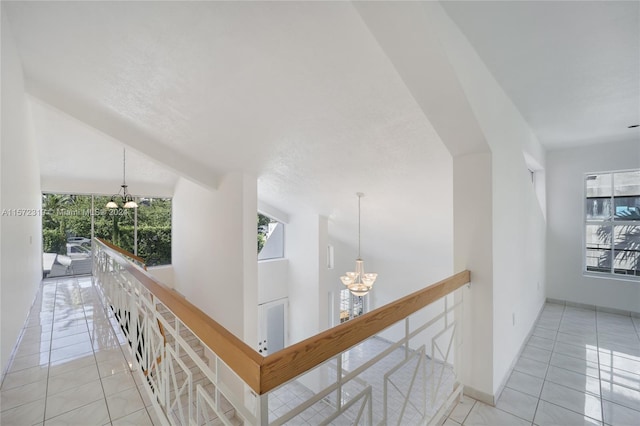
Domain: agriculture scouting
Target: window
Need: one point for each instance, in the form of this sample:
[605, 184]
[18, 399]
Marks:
[69, 221]
[270, 238]
[351, 306]
[153, 231]
[612, 223]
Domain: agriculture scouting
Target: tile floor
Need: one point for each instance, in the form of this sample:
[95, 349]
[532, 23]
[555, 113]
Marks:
[69, 367]
[580, 367]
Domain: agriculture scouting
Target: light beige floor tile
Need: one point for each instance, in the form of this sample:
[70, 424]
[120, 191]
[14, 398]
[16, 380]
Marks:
[110, 354]
[575, 364]
[113, 366]
[518, 403]
[139, 418]
[70, 340]
[575, 351]
[585, 341]
[66, 365]
[31, 348]
[28, 361]
[582, 403]
[619, 363]
[26, 376]
[20, 395]
[25, 414]
[526, 383]
[536, 354]
[484, 415]
[573, 380]
[621, 395]
[462, 409]
[615, 414]
[620, 377]
[531, 367]
[541, 342]
[94, 413]
[124, 403]
[117, 383]
[72, 379]
[544, 333]
[549, 414]
[78, 350]
[73, 399]
[35, 336]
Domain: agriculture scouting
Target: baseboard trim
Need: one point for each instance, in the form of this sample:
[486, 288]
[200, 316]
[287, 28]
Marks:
[517, 357]
[479, 395]
[594, 307]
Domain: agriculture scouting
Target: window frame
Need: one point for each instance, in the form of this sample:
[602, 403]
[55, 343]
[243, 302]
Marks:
[281, 253]
[610, 222]
[353, 302]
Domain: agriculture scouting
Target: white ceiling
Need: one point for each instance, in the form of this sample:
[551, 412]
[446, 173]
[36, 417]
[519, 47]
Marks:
[572, 68]
[297, 94]
[300, 94]
[67, 153]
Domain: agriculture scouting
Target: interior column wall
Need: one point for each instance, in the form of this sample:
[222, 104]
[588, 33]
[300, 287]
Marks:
[473, 250]
[21, 243]
[214, 251]
[518, 232]
[302, 240]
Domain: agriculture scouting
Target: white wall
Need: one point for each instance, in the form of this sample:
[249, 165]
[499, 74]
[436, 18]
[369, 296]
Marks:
[214, 251]
[273, 276]
[565, 251]
[518, 221]
[162, 273]
[302, 237]
[473, 250]
[21, 243]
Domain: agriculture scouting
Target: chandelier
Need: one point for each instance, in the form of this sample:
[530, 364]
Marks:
[359, 283]
[123, 195]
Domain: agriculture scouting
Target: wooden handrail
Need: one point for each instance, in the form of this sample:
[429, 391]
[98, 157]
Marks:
[123, 252]
[284, 365]
[239, 356]
[263, 374]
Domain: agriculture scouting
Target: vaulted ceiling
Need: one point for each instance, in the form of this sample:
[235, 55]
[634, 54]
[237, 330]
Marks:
[571, 67]
[300, 94]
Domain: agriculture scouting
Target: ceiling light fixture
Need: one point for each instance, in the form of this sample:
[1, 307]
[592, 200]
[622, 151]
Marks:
[123, 195]
[359, 283]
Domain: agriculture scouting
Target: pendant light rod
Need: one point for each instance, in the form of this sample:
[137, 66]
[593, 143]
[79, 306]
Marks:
[127, 200]
[358, 282]
[360, 195]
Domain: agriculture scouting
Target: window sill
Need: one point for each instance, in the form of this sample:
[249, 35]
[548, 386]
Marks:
[606, 276]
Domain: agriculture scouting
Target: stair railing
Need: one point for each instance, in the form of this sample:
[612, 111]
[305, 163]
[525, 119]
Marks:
[230, 383]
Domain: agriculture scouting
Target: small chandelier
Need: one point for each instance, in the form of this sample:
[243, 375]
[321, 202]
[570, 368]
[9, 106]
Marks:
[123, 195]
[359, 283]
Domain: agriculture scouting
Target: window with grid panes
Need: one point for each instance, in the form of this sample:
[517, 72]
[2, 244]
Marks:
[612, 223]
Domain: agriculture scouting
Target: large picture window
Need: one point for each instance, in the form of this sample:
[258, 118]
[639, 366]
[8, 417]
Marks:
[612, 223]
[70, 221]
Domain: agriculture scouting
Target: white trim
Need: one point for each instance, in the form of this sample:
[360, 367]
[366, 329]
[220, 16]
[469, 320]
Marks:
[272, 212]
